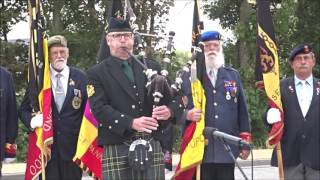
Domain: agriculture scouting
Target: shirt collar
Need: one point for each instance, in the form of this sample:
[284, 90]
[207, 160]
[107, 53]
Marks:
[64, 72]
[308, 79]
[215, 71]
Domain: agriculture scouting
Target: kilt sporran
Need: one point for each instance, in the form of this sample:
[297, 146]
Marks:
[140, 155]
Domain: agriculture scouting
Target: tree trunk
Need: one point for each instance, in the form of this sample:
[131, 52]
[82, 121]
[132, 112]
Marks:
[57, 25]
[243, 22]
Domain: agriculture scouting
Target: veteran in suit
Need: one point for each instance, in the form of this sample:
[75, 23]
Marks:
[128, 124]
[8, 118]
[300, 97]
[69, 98]
[226, 109]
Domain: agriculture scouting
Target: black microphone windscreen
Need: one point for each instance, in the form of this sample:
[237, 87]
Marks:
[208, 131]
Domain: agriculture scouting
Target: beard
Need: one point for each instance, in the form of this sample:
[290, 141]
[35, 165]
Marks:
[59, 65]
[214, 60]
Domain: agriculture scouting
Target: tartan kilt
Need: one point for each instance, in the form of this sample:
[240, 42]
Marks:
[115, 165]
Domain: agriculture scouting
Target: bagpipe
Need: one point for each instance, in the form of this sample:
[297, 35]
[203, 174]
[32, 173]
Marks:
[159, 89]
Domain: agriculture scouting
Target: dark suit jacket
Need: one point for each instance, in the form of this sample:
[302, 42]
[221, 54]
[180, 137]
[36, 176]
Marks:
[66, 124]
[300, 142]
[8, 111]
[227, 114]
[116, 101]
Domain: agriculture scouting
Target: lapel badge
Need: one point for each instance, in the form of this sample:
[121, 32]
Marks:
[291, 89]
[76, 102]
[71, 82]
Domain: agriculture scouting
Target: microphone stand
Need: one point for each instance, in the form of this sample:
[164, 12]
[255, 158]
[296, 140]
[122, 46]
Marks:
[228, 149]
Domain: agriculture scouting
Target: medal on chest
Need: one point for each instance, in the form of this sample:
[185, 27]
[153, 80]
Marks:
[230, 88]
[76, 101]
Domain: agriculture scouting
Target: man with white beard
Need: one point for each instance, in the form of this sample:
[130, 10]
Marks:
[226, 109]
[68, 85]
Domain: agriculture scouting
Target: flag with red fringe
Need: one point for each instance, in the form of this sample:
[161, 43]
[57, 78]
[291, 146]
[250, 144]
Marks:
[39, 147]
[89, 155]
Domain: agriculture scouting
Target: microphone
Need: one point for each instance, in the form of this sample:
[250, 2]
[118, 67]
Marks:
[213, 132]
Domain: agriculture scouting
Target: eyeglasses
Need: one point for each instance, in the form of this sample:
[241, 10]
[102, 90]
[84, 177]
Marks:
[118, 36]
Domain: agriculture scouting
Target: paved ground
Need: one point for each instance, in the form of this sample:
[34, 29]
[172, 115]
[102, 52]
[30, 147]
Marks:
[261, 168]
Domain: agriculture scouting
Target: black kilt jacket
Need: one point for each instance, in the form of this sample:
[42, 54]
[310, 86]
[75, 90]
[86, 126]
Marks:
[67, 122]
[300, 142]
[8, 111]
[115, 101]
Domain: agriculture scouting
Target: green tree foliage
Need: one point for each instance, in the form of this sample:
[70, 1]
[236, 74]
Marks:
[10, 14]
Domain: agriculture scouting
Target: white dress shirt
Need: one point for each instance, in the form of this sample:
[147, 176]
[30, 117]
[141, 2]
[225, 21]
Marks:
[64, 79]
[304, 92]
[212, 74]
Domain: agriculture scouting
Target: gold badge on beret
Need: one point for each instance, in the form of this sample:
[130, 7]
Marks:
[76, 102]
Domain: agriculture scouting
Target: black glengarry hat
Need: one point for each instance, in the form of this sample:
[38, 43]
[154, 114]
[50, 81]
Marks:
[118, 25]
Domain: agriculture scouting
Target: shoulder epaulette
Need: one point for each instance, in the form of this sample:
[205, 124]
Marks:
[229, 67]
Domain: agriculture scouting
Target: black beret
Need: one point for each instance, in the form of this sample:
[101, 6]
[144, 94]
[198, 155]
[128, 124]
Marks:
[300, 49]
[118, 25]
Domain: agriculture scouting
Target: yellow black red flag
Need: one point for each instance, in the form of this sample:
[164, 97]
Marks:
[193, 142]
[39, 147]
[267, 66]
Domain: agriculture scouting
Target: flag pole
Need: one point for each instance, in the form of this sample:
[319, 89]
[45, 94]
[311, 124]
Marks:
[280, 162]
[43, 169]
[198, 172]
